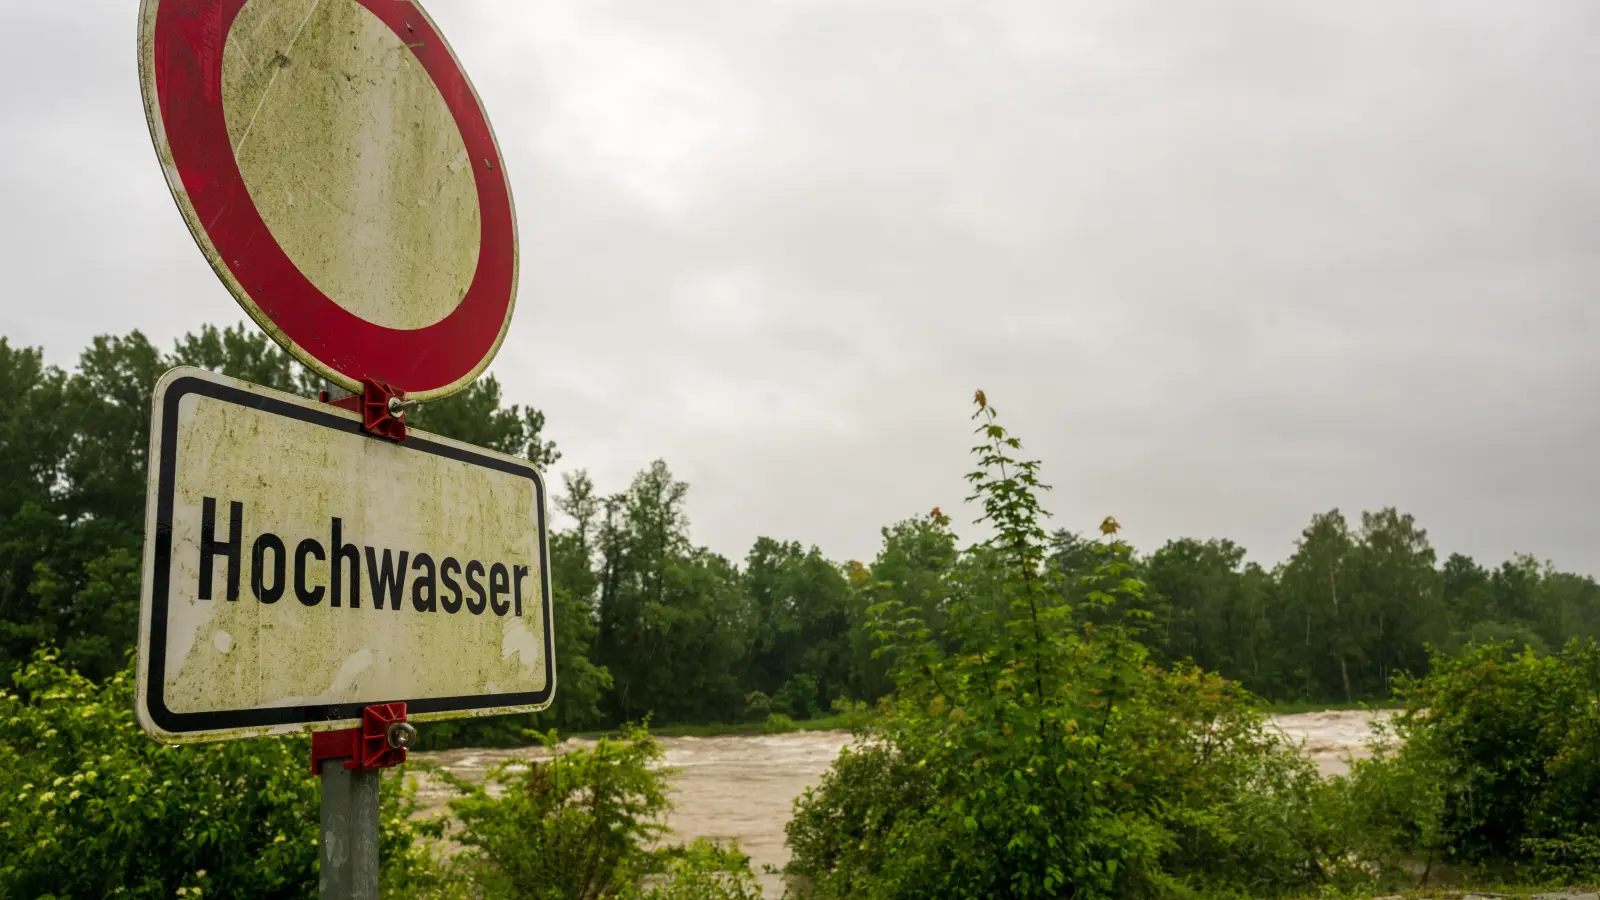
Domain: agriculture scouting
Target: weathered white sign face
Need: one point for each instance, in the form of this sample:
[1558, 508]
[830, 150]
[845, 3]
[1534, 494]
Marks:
[339, 173]
[297, 569]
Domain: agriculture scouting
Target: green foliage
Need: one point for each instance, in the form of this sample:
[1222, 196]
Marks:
[475, 415]
[573, 826]
[94, 808]
[778, 723]
[674, 621]
[798, 696]
[584, 683]
[799, 653]
[72, 485]
[1038, 726]
[414, 862]
[646, 622]
[581, 825]
[757, 705]
[1493, 762]
[33, 438]
[699, 870]
[1573, 858]
[77, 466]
[243, 351]
[851, 714]
[1034, 752]
[906, 586]
[1352, 608]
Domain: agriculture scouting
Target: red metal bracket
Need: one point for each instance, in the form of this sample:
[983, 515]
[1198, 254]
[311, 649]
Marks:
[364, 748]
[378, 415]
[376, 404]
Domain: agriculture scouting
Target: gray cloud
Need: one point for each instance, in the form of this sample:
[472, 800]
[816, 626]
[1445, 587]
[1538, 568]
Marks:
[1220, 265]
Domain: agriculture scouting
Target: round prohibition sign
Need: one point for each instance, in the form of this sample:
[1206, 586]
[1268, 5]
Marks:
[337, 169]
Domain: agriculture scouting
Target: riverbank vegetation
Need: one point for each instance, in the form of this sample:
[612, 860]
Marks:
[650, 623]
[1046, 714]
[1034, 747]
[91, 807]
[1031, 749]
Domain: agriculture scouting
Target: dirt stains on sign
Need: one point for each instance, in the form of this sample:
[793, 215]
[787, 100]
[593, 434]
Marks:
[352, 158]
[269, 509]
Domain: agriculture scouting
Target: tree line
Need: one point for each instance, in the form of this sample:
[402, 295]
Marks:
[649, 623]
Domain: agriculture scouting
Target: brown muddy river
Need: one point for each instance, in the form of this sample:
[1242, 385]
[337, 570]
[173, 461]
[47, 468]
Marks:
[740, 788]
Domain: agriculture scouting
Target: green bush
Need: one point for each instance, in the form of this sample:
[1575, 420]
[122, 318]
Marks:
[843, 830]
[797, 697]
[1494, 763]
[583, 825]
[1183, 792]
[778, 723]
[852, 714]
[699, 870]
[1031, 753]
[94, 808]
[757, 705]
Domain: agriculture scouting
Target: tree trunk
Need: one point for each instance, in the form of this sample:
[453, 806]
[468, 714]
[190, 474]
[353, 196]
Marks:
[1308, 651]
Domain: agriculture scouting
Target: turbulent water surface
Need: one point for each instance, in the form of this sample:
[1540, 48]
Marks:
[742, 787]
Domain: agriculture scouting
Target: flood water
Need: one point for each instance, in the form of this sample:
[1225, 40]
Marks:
[741, 788]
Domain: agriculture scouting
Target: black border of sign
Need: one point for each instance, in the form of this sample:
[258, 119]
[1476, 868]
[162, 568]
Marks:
[221, 720]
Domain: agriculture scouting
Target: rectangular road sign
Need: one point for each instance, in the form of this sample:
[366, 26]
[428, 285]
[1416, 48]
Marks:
[298, 569]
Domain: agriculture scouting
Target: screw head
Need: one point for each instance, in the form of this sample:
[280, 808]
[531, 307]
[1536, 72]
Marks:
[396, 407]
[400, 735]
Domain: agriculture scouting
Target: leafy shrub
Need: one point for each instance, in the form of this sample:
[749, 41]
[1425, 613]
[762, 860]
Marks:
[797, 697]
[757, 705]
[94, 808]
[1184, 791]
[573, 826]
[1565, 860]
[1033, 752]
[843, 830]
[699, 870]
[852, 714]
[582, 825]
[778, 723]
[1493, 762]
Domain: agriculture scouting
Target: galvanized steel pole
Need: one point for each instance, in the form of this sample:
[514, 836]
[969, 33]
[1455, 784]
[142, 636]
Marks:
[349, 840]
[348, 844]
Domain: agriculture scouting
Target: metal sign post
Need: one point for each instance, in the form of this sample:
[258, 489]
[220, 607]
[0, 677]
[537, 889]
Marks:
[350, 765]
[316, 566]
[301, 568]
[312, 567]
[348, 839]
[349, 833]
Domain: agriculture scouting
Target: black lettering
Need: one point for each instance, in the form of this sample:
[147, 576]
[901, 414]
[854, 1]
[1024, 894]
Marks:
[386, 580]
[518, 573]
[307, 547]
[280, 561]
[499, 583]
[445, 568]
[477, 588]
[210, 546]
[341, 552]
[418, 602]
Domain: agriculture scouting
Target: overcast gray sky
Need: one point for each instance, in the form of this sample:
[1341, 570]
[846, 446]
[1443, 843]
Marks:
[1220, 265]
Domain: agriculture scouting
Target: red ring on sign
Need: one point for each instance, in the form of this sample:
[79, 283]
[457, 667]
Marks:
[189, 37]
